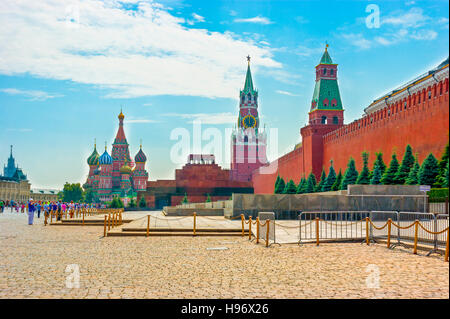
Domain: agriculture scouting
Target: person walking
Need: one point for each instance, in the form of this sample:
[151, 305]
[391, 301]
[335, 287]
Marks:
[39, 207]
[2, 205]
[31, 210]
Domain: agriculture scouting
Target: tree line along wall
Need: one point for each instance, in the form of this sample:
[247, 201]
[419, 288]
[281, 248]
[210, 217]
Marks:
[421, 120]
[425, 126]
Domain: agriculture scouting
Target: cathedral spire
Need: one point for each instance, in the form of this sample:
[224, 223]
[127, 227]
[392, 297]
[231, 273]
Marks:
[120, 136]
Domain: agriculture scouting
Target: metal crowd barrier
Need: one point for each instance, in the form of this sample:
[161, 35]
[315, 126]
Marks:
[332, 225]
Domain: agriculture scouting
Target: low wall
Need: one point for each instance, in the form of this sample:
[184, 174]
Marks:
[178, 211]
[384, 190]
[287, 206]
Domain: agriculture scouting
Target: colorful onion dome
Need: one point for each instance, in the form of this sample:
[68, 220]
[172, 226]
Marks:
[125, 169]
[140, 156]
[105, 158]
[93, 159]
[121, 116]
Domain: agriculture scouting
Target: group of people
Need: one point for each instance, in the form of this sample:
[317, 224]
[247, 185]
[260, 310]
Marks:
[37, 207]
[13, 205]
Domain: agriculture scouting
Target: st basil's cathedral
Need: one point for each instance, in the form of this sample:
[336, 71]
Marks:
[116, 174]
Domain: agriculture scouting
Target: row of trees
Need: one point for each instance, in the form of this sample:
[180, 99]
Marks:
[118, 203]
[74, 192]
[409, 172]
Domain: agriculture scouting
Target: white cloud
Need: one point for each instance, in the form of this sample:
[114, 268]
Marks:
[258, 20]
[424, 35]
[358, 40]
[413, 18]
[132, 53]
[34, 95]
[286, 93]
[198, 17]
[207, 118]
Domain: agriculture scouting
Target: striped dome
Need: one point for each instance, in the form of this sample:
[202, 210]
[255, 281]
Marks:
[105, 159]
[140, 157]
[93, 159]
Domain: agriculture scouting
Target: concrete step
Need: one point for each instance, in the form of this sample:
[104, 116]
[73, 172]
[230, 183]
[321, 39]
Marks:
[171, 234]
[76, 224]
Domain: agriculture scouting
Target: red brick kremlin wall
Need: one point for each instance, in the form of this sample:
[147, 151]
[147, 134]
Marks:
[425, 126]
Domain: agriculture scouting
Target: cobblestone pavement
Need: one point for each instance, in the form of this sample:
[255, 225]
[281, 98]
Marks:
[34, 259]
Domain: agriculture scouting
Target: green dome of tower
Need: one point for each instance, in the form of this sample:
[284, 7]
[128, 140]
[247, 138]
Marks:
[93, 158]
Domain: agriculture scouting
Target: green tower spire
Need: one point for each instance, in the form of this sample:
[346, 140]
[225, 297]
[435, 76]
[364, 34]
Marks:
[326, 94]
[248, 86]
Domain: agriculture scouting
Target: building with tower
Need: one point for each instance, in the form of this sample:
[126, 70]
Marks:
[14, 184]
[416, 113]
[248, 142]
[116, 174]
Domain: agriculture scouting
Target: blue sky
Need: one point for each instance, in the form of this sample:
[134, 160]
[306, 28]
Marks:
[67, 67]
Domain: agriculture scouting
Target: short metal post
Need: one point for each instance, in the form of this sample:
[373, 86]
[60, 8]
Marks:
[367, 230]
[317, 231]
[109, 221]
[148, 225]
[83, 218]
[257, 230]
[416, 234]
[242, 220]
[195, 221]
[250, 228]
[104, 227]
[446, 247]
[267, 233]
[389, 233]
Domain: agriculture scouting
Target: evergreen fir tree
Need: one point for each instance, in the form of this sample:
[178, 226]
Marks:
[142, 202]
[280, 186]
[444, 160]
[291, 188]
[376, 176]
[323, 177]
[132, 203]
[331, 178]
[185, 199]
[301, 186]
[445, 181]
[364, 176]
[310, 183]
[277, 181]
[413, 178]
[405, 167]
[428, 171]
[337, 184]
[379, 161]
[208, 199]
[120, 203]
[389, 174]
[350, 175]
[442, 165]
